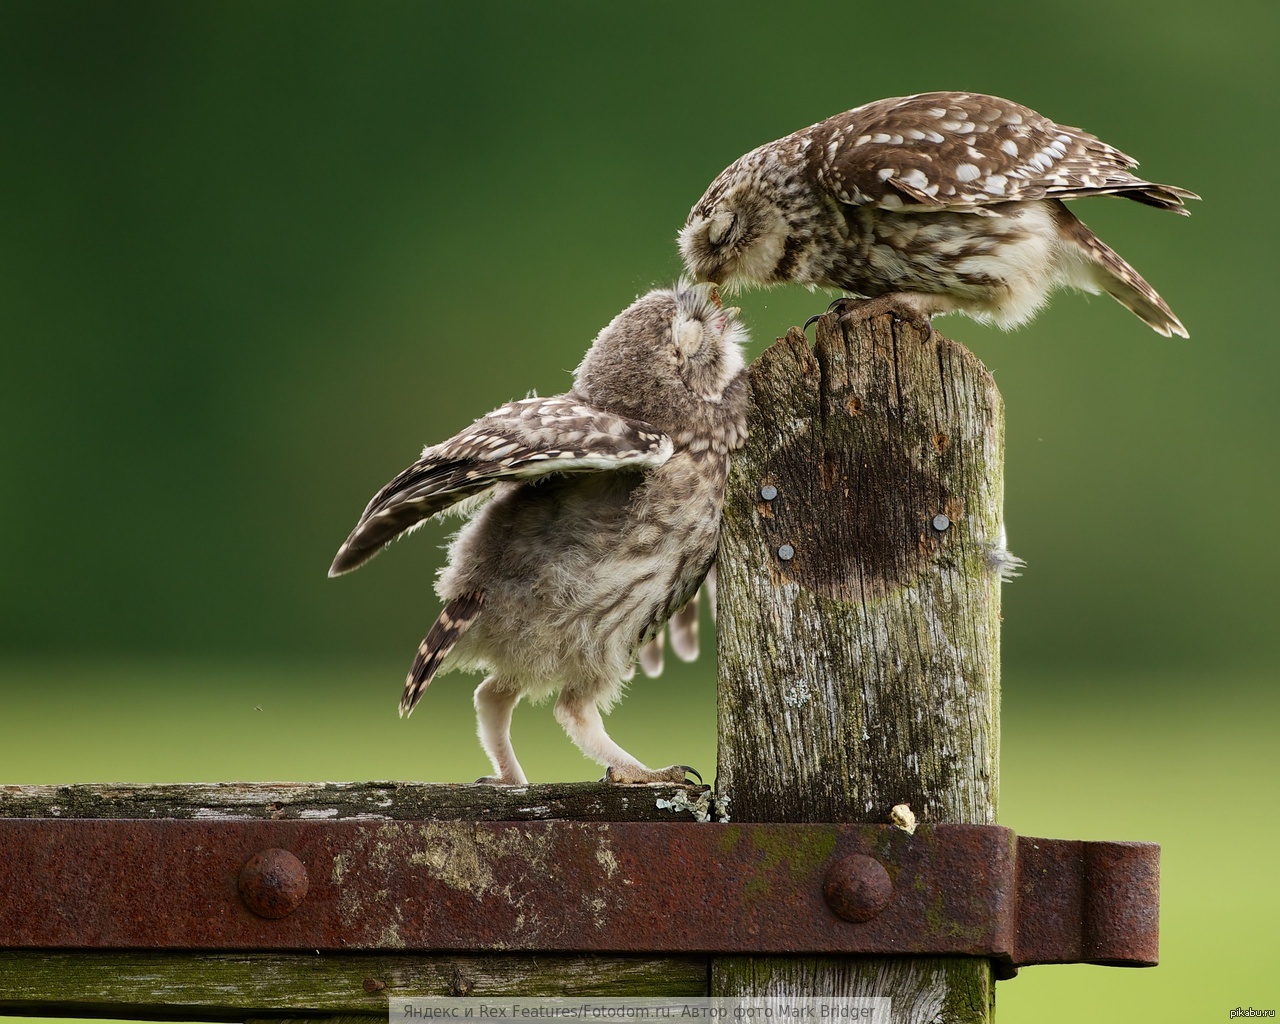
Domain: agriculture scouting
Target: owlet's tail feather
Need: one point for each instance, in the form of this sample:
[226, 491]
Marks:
[454, 620]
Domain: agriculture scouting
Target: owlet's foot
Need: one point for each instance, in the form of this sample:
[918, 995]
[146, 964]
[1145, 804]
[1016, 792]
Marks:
[632, 775]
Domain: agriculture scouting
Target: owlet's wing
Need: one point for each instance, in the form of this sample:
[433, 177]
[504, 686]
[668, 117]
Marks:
[518, 441]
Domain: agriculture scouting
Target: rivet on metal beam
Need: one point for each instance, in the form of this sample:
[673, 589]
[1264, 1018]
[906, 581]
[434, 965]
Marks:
[857, 888]
[273, 883]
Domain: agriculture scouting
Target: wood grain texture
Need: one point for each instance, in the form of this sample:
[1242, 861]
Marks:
[936, 990]
[391, 801]
[862, 671]
[236, 986]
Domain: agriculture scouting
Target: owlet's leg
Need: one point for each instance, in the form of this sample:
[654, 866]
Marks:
[581, 720]
[494, 705]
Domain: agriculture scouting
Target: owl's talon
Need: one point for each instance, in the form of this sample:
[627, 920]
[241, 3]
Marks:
[843, 306]
[848, 308]
[865, 309]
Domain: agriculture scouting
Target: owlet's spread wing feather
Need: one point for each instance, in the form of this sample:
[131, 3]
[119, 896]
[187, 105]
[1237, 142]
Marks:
[962, 150]
[518, 441]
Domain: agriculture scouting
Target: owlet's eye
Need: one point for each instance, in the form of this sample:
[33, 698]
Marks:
[721, 224]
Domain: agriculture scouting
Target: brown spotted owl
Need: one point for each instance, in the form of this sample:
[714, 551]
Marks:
[943, 202]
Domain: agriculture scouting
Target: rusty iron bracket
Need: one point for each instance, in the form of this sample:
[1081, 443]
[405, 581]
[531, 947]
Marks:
[562, 886]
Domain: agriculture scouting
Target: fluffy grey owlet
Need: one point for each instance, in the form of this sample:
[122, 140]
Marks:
[595, 518]
[942, 202]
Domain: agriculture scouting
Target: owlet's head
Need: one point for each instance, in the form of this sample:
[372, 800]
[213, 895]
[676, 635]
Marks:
[667, 356]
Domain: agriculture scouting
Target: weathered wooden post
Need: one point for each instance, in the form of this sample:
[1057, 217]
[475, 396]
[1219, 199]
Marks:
[859, 610]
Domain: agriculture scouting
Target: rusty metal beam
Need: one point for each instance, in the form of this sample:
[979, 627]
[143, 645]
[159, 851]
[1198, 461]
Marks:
[572, 886]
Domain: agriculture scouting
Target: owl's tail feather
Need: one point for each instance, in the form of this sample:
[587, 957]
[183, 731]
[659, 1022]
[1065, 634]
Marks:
[1162, 197]
[1101, 268]
[1149, 193]
[456, 618]
[1127, 287]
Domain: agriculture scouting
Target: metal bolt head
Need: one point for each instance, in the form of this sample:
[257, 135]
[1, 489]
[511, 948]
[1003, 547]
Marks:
[941, 522]
[273, 883]
[786, 552]
[768, 492]
[857, 888]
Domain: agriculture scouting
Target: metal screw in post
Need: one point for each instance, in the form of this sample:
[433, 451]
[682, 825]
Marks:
[786, 552]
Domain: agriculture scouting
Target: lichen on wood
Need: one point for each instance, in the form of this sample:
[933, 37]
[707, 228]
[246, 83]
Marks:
[859, 615]
[374, 801]
[235, 986]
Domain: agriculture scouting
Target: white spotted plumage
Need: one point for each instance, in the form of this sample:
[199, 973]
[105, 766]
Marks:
[947, 201]
[599, 520]
[520, 440]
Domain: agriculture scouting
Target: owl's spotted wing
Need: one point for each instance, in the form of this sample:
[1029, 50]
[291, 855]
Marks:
[966, 151]
[519, 441]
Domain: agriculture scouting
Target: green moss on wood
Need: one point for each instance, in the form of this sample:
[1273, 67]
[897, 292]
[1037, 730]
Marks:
[234, 986]
[863, 671]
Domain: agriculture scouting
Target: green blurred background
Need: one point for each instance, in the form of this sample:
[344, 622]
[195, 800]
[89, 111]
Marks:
[256, 255]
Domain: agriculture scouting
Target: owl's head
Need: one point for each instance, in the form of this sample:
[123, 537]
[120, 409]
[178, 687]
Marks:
[738, 232]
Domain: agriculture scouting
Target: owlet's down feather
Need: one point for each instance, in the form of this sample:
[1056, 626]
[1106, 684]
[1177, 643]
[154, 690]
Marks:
[942, 202]
[596, 517]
